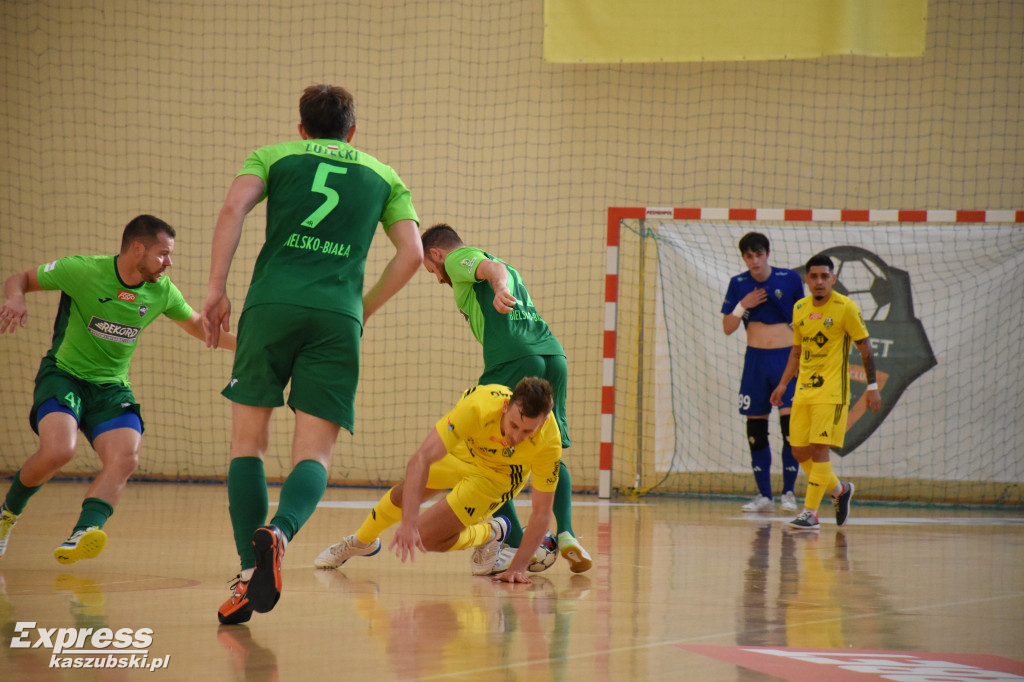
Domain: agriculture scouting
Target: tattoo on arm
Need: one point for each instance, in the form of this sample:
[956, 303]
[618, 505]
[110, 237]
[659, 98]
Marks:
[868, 358]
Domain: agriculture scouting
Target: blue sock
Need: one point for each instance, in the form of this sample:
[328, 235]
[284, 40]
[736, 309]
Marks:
[761, 463]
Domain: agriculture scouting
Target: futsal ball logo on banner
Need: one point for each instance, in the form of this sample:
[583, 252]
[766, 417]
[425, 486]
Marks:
[901, 348]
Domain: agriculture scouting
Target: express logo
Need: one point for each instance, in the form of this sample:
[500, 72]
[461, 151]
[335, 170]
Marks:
[126, 296]
[60, 639]
[90, 647]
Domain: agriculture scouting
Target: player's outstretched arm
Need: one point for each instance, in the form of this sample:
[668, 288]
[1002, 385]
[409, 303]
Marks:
[194, 327]
[245, 192]
[14, 312]
[405, 235]
[497, 275]
[536, 527]
[407, 536]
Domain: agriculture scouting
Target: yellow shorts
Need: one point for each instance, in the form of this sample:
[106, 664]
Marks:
[823, 424]
[475, 492]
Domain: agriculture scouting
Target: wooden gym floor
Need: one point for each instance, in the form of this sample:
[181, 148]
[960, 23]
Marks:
[681, 589]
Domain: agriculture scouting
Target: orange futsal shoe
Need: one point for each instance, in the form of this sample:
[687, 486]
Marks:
[268, 545]
[237, 608]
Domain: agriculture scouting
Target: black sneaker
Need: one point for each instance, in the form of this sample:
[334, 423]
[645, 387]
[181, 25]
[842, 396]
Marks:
[842, 504]
[264, 590]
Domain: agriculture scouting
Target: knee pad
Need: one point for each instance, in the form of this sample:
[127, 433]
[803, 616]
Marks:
[757, 434]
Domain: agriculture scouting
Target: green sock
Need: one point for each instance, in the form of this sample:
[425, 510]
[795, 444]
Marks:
[247, 504]
[18, 495]
[300, 494]
[563, 500]
[95, 512]
[515, 532]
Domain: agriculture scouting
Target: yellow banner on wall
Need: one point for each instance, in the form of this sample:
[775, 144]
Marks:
[595, 31]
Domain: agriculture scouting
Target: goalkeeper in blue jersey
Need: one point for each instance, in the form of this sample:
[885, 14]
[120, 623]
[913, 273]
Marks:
[517, 343]
[762, 299]
[82, 383]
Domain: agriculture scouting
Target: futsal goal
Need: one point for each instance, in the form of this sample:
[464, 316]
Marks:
[939, 292]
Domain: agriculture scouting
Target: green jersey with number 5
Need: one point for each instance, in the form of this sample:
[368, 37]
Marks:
[324, 201]
[505, 337]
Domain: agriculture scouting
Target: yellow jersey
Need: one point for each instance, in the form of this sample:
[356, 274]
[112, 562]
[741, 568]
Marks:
[824, 335]
[472, 432]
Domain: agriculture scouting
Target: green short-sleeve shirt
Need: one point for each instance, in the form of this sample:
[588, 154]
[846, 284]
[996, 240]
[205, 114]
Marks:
[324, 201]
[100, 317]
[505, 337]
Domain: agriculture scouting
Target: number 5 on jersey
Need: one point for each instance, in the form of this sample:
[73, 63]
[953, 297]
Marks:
[320, 187]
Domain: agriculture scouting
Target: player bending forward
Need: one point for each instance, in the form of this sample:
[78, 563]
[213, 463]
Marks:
[506, 437]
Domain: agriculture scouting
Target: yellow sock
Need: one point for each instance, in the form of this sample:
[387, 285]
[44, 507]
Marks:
[383, 515]
[472, 536]
[807, 465]
[833, 480]
[816, 484]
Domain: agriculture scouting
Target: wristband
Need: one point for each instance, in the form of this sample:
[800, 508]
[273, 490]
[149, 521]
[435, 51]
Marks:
[872, 387]
[739, 310]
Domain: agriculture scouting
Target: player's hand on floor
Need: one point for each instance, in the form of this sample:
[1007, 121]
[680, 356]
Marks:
[511, 577]
[406, 541]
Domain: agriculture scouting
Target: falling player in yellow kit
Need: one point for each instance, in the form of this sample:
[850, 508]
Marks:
[824, 324]
[482, 452]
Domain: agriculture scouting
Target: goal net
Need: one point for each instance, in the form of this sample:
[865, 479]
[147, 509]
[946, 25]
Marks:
[932, 287]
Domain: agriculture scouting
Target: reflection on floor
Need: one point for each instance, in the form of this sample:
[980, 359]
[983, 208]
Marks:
[681, 589]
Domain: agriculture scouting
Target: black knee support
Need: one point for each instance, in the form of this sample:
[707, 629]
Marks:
[757, 434]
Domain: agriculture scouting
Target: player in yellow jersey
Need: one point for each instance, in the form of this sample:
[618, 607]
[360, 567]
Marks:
[824, 324]
[482, 452]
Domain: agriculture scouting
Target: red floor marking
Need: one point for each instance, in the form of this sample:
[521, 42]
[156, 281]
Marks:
[835, 665]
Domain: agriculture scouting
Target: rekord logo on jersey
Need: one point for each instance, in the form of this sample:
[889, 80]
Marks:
[899, 344]
[113, 331]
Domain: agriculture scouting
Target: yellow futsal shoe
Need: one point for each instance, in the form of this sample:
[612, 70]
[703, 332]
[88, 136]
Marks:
[83, 544]
[7, 521]
[572, 551]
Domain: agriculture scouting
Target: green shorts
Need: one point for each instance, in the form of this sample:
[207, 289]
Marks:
[317, 350]
[92, 404]
[552, 368]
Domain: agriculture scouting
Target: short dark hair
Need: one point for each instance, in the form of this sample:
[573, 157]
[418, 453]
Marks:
[327, 112]
[754, 241]
[145, 229]
[819, 259]
[440, 236]
[534, 397]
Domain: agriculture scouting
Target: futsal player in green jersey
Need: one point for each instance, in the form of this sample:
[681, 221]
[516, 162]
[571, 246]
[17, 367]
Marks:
[82, 383]
[824, 324]
[517, 343]
[302, 319]
[482, 451]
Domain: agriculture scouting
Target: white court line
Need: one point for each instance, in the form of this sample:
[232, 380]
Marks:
[901, 520]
